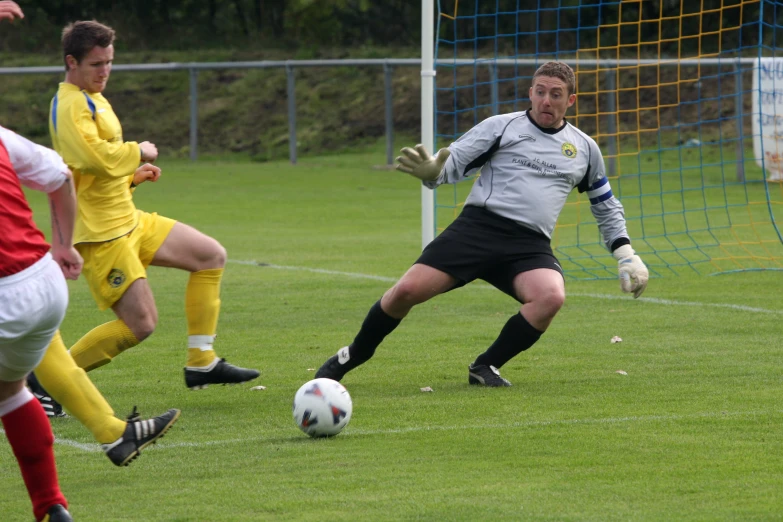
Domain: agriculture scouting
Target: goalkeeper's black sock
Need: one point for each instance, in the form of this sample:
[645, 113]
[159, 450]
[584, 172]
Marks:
[376, 326]
[516, 336]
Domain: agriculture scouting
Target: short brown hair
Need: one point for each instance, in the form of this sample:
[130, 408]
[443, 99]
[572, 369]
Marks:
[560, 70]
[79, 38]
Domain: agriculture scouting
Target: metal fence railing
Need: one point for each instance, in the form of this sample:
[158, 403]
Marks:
[290, 67]
[740, 65]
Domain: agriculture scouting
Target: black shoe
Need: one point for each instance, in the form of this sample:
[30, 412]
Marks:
[50, 406]
[57, 513]
[331, 369]
[220, 372]
[486, 376]
[138, 435]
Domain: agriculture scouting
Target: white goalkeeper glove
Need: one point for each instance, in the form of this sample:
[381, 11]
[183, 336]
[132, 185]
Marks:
[418, 163]
[633, 273]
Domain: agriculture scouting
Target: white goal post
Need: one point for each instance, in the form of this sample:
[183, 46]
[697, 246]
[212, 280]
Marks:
[427, 113]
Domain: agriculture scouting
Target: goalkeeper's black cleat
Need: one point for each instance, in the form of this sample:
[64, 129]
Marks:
[138, 435]
[486, 376]
[50, 406]
[219, 372]
[57, 513]
[331, 369]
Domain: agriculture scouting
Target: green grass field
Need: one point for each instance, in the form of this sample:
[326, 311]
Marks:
[692, 431]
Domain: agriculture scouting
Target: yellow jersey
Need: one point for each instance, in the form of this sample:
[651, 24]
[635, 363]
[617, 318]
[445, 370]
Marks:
[88, 135]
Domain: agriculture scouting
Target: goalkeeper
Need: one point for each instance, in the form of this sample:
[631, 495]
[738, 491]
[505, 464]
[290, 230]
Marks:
[529, 162]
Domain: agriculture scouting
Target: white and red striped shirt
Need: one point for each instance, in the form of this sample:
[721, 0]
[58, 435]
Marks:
[23, 162]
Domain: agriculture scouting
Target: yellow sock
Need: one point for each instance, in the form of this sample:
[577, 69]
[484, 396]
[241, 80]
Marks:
[199, 358]
[202, 307]
[70, 386]
[102, 344]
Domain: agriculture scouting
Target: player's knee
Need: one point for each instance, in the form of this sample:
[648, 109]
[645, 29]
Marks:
[216, 256]
[9, 389]
[552, 301]
[220, 255]
[144, 326]
[406, 293]
[143, 331]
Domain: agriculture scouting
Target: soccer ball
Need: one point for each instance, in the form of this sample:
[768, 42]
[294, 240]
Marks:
[322, 407]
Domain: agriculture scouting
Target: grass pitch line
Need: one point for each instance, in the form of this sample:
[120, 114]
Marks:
[511, 425]
[569, 422]
[92, 448]
[654, 300]
[314, 270]
[95, 447]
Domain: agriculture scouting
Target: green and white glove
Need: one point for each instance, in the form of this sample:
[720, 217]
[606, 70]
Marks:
[418, 163]
[633, 272]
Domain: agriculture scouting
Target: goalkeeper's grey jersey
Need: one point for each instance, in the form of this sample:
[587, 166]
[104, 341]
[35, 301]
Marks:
[527, 173]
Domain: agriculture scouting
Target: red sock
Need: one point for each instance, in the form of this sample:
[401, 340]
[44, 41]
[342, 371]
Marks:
[31, 438]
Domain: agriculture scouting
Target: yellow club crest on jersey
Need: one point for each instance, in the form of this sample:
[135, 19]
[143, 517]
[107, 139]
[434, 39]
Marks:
[568, 150]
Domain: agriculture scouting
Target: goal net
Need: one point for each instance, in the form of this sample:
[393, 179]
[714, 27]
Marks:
[675, 94]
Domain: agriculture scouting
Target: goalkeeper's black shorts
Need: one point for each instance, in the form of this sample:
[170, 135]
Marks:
[480, 244]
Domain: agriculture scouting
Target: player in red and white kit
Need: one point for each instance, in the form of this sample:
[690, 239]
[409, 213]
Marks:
[33, 300]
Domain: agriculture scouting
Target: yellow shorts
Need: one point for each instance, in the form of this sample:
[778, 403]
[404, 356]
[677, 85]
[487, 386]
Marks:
[111, 266]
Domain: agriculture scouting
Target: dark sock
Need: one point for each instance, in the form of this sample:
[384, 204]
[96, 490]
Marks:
[377, 325]
[516, 336]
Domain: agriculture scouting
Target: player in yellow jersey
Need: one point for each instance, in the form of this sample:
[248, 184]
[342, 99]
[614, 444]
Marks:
[117, 241]
[122, 441]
